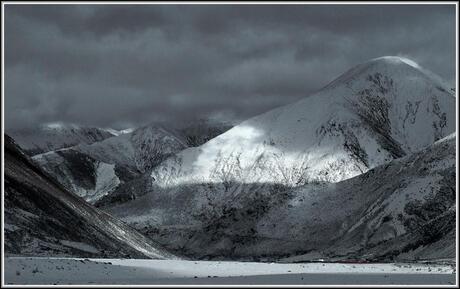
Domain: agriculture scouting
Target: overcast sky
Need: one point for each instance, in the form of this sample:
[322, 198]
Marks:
[125, 65]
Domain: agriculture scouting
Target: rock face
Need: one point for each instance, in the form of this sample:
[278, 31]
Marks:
[52, 137]
[44, 219]
[336, 173]
[94, 171]
[378, 111]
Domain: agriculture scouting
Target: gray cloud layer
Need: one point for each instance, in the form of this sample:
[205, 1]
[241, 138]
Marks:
[125, 65]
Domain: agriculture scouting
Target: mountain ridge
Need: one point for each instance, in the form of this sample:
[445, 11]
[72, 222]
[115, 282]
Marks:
[56, 136]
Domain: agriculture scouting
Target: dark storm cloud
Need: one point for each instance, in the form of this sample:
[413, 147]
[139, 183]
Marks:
[120, 65]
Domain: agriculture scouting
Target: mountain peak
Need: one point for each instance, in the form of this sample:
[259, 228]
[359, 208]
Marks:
[397, 67]
[395, 60]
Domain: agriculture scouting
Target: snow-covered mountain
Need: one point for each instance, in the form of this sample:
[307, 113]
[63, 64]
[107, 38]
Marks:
[237, 195]
[94, 170]
[404, 209]
[377, 111]
[56, 136]
[44, 219]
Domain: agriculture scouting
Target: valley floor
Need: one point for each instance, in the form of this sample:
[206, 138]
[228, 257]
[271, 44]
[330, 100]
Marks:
[31, 270]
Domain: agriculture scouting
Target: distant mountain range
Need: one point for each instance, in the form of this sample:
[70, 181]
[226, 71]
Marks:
[93, 162]
[54, 136]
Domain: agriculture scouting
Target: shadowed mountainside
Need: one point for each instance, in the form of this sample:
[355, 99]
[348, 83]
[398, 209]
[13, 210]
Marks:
[44, 219]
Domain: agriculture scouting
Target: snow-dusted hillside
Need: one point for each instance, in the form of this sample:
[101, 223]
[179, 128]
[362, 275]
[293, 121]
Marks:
[44, 219]
[404, 209]
[93, 171]
[56, 136]
[378, 111]
[387, 212]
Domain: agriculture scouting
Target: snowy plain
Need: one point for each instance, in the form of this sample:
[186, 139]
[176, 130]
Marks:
[79, 271]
